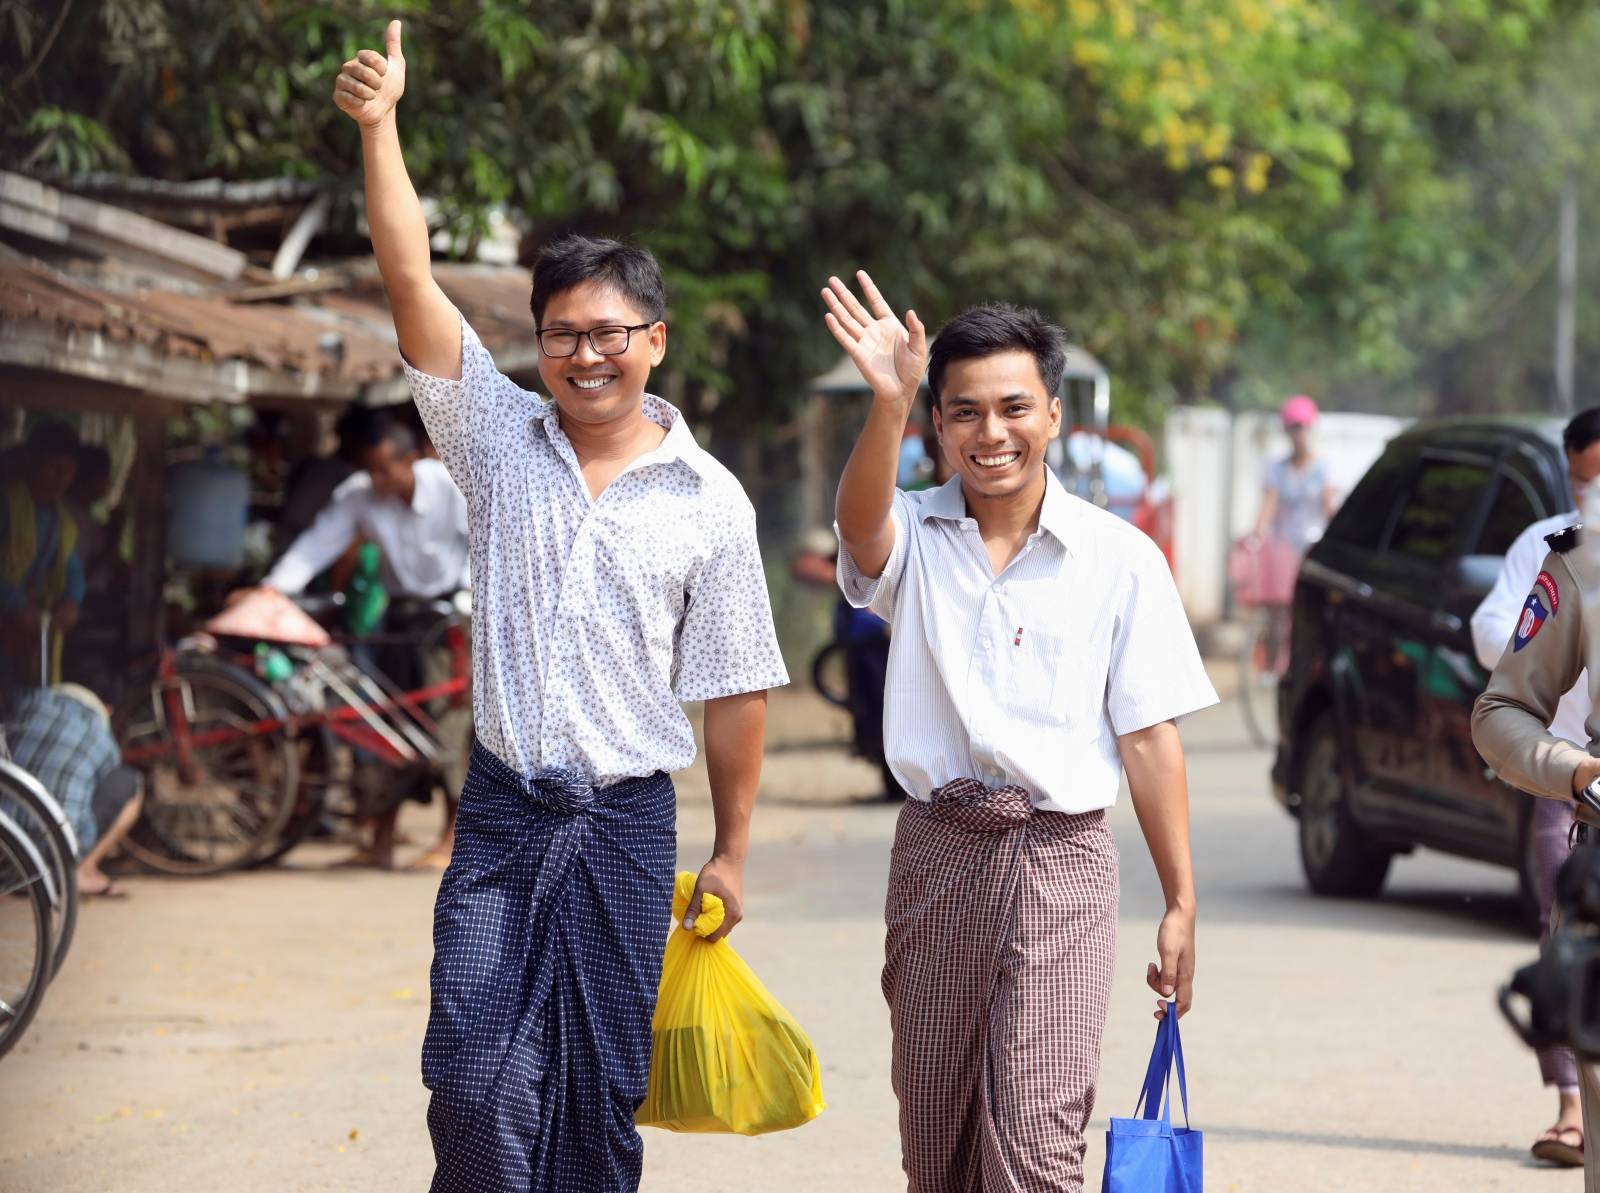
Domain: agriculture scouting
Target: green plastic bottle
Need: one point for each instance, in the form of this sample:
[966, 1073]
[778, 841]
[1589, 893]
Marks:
[365, 597]
[272, 664]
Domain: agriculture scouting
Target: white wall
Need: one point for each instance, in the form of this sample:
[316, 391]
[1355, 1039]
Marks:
[1216, 466]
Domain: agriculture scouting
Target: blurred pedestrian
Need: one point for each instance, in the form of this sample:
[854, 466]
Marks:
[616, 576]
[1038, 651]
[41, 572]
[863, 638]
[1298, 497]
[1493, 626]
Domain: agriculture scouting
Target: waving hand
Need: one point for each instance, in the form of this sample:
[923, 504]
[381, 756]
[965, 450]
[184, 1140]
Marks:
[890, 354]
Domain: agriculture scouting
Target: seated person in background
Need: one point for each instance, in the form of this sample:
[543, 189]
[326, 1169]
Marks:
[62, 737]
[412, 511]
[40, 569]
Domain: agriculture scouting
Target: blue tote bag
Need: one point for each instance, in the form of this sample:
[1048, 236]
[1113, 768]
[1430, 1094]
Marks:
[1146, 1153]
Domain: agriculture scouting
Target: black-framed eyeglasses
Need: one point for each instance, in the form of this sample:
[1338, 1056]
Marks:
[611, 340]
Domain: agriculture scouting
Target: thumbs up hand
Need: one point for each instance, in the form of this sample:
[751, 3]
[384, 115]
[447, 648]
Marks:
[371, 84]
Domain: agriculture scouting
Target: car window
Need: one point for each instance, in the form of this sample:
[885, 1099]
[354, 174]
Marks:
[1442, 496]
[1364, 516]
[1513, 510]
[1545, 476]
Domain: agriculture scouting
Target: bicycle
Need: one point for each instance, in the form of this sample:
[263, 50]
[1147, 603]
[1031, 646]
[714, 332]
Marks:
[40, 816]
[1263, 573]
[27, 896]
[239, 746]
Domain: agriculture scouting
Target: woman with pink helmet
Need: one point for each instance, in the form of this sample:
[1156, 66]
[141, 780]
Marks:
[1299, 499]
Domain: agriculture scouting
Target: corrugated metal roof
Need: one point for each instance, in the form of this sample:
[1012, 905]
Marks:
[215, 191]
[342, 335]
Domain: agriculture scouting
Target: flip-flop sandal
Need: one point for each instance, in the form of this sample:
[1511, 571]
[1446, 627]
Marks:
[110, 891]
[1553, 1148]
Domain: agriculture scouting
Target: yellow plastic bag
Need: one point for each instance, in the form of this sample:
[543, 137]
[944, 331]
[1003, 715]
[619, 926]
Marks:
[725, 1056]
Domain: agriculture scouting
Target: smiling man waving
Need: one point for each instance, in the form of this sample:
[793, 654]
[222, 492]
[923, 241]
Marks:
[615, 575]
[1038, 650]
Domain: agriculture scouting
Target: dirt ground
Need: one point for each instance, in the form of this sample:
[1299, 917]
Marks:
[261, 1031]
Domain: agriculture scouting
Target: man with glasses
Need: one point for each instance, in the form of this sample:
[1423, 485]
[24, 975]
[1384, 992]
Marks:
[615, 576]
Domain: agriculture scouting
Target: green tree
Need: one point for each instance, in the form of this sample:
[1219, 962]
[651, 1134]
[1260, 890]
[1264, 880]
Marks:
[1235, 198]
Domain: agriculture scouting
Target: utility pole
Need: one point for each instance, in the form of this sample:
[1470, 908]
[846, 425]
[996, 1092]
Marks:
[1567, 292]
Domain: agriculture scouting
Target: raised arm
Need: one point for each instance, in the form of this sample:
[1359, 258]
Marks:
[428, 324]
[891, 357]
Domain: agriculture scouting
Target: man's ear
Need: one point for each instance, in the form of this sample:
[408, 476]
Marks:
[1055, 415]
[658, 343]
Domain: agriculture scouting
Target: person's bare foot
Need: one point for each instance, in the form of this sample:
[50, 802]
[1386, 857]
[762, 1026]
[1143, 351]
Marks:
[95, 883]
[367, 859]
[436, 858]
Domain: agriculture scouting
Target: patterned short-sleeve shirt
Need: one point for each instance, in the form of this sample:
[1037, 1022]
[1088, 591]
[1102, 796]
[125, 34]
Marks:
[594, 619]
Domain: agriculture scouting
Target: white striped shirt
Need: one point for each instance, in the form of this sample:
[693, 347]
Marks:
[1029, 677]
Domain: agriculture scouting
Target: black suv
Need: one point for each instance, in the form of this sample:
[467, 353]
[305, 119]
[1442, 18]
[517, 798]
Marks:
[1375, 754]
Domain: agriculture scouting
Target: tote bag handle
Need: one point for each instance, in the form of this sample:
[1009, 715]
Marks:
[1154, 1099]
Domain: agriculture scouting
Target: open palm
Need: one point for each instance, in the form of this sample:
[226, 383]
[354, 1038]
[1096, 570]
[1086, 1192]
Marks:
[891, 355]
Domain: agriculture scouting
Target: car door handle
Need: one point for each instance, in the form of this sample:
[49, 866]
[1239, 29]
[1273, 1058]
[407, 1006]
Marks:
[1448, 622]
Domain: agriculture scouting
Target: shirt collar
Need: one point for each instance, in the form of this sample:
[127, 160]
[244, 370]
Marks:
[680, 443]
[1058, 516]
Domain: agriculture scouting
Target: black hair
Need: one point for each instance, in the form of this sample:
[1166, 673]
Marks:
[361, 428]
[93, 460]
[53, 438]
[626, 268]
[94, 469]
[996, 327]
[1583, 432]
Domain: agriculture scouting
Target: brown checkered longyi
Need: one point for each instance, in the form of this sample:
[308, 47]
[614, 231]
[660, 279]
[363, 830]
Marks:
[1001, 938]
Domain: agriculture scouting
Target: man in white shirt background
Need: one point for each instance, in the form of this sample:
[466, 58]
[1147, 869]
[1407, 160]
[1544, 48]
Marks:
[1492, 626]
[407, 505]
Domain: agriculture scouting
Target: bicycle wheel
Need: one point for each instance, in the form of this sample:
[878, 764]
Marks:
[1258, 678]
[37, 812]
[829, 677]
[221, 802]
[319, 773]
[24, 932]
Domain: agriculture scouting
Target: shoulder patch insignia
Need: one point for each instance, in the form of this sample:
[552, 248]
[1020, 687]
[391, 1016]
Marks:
[1546, 583]
[1532, 619]
[1563, 541]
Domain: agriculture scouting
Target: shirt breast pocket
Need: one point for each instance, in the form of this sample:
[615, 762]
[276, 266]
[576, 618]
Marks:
[1038, 688]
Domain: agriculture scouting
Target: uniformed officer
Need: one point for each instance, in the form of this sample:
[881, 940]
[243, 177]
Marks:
[1557, 637]
[1550, 823]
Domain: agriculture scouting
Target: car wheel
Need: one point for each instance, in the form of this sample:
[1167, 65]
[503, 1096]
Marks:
[1335, 854]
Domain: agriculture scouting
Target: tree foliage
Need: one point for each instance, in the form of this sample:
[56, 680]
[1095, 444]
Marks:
[1230, 198]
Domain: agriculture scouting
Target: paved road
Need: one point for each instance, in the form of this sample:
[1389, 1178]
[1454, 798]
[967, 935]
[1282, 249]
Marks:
[261, 1032]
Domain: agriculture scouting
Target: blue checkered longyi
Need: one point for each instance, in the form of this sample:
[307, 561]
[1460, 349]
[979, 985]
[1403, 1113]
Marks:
[548, 937]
